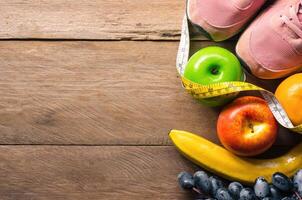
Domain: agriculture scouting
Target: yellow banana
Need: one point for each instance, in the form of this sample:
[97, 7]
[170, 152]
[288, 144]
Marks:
[218, 160]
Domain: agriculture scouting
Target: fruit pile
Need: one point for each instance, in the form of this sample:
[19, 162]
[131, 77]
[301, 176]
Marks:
[246, 127]
[211, 187]
[227, 165]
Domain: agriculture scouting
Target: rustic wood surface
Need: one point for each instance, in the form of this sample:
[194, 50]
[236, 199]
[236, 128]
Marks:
[84, 115]
[90, 172]
[91, 19]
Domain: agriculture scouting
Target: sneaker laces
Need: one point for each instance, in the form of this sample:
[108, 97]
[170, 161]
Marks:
[293, 21]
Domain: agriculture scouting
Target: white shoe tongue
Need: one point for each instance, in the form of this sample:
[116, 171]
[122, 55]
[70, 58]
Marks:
[243, 3]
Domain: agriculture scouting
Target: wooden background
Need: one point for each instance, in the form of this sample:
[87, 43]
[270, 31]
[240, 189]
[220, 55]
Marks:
[88, 94]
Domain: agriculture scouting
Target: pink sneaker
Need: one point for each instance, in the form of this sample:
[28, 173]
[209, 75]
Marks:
[272, 46]
[221, 19]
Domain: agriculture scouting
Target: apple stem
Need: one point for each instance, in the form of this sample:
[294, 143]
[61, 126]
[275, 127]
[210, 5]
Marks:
[251, 127]
[214, 71]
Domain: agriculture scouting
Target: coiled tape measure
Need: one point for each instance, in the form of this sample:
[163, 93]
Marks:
[213, 90]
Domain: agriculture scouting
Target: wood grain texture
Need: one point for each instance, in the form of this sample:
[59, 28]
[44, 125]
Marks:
[74, 172]
[91, 19]
[100, 111]
[94, 93]
[97, 93]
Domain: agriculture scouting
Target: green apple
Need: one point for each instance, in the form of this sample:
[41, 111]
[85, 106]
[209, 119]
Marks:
[214, 65]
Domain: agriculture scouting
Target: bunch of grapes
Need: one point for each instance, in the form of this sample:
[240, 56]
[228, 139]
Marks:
[211, 187]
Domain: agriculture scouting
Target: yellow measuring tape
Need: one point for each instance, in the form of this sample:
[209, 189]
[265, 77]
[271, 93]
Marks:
[199, 91]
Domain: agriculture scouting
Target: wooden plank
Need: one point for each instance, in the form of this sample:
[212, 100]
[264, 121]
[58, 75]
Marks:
[91, 172]
[91, 19]
[97, 93]
[94, 93]
[78, 172]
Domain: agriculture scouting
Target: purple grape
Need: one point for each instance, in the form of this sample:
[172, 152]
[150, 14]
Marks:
[282, 182]
[275, 193]
[247, 194]
[261, 187]
[185, 180]
[215, 185]
[223, 194]
[297, 180]
[202, 181]
[234, 189]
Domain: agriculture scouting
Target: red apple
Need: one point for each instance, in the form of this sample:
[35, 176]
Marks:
[247, 127]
